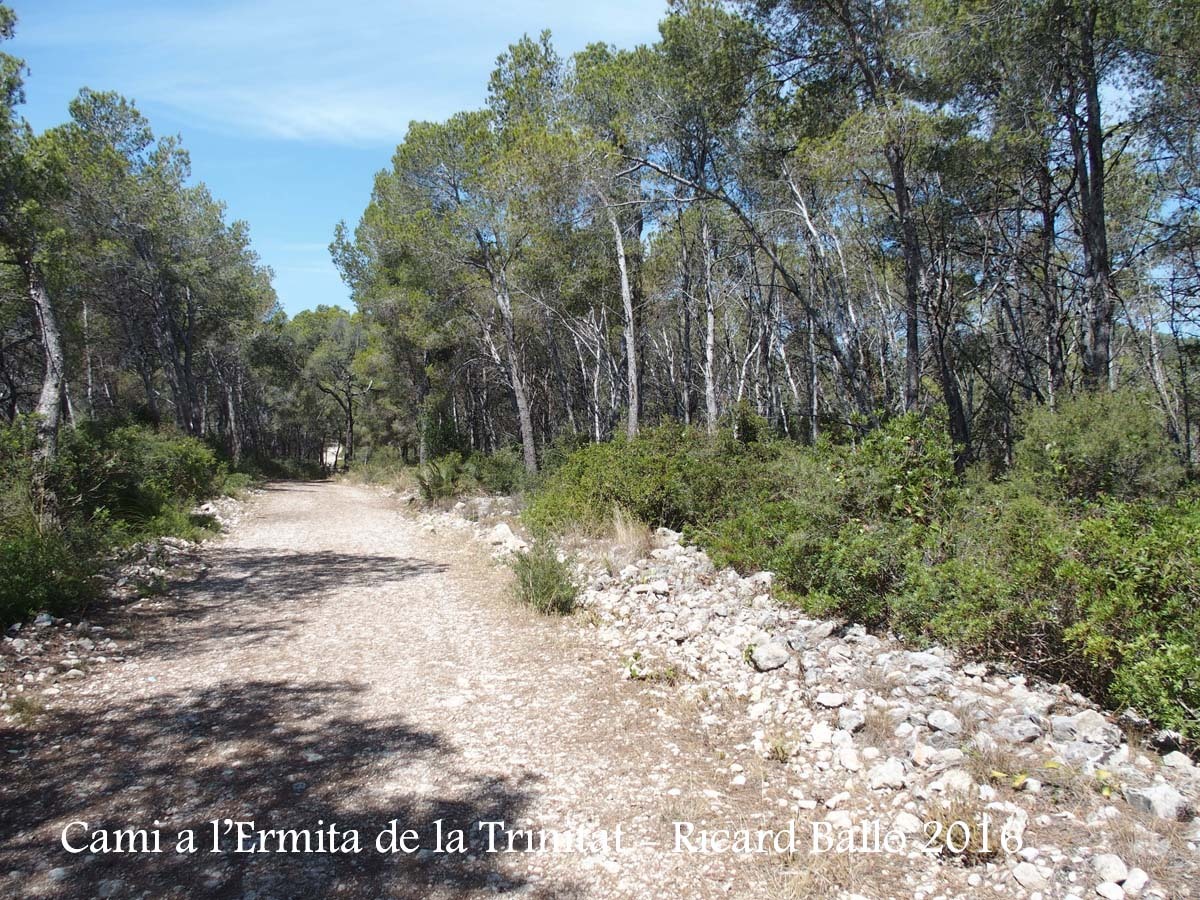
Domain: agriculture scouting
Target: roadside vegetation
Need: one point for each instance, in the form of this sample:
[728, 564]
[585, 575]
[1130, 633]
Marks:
[112, 487]
[1079, 562]
[545, 579]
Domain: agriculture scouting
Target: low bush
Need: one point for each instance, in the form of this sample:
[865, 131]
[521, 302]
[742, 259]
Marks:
[287, 469]
[543, 581]
[112, 487]
[381, 465]
[43, 568]
[1080, 564]
[441, 478]
[502, 472]
[1095, 445]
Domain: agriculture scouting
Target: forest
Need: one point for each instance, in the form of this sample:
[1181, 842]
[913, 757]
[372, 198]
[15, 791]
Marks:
[897, 298]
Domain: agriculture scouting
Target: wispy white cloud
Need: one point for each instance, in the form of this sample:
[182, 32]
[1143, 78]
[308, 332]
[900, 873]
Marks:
[352, 73]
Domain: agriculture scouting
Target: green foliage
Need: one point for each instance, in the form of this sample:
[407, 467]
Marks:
[669, 476]
[43, 569]
[263, 467]
[1029, 568]
[382, 465]
[441, 478]
[113, 486]
[543, 581]
[133, 474]
[502, 472]
[1097, 444]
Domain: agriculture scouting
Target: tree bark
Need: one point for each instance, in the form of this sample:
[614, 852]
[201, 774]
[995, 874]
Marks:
[631, 350]
[710, 322]
[1087, 143]
[528, 441]
[49, 406]
[913, 277]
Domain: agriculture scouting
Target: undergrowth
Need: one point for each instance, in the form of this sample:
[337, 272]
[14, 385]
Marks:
[1079, 562]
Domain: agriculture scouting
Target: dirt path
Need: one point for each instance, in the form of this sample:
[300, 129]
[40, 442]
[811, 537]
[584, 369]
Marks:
[340, 665]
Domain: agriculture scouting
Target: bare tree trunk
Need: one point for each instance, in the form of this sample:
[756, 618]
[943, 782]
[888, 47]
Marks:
[631, 352]
[913, 275]
[710, 324]
[49, 406]
[528, 441]
[1087, 144]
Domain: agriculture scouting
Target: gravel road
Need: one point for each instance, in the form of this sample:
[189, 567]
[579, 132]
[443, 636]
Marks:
[338, 665]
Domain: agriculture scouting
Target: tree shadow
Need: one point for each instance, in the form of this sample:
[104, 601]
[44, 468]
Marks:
[283, 756]
[284, 582]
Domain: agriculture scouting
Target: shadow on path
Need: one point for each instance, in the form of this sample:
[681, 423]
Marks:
[283, 756]
[274, 586]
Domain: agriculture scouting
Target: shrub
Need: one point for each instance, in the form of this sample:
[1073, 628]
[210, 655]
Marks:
[442, 477]
[1099, 443]
[1135, 574]
[235, 483]
[502, 472]
[543, 581]
[381, 465]
[1059, 567]
[43, 570]
[112, 486]
[668, 476]
[283, 468]
[133, 473]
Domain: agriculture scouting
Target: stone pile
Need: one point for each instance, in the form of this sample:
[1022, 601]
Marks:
[862, 727]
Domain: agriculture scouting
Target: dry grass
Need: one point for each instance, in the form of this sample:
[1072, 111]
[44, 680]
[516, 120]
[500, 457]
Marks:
[25, 708]
[956, 826]
[1003, 767]
[1157, 846]
[780, 748]
[874, 680]
[878, 728]
[807, 874]
[619, 541]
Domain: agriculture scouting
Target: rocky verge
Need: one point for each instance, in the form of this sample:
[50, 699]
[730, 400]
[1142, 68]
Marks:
[42, 659]
[847, 732]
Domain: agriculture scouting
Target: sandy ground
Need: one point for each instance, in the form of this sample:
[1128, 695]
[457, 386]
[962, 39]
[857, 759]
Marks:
[338, 665]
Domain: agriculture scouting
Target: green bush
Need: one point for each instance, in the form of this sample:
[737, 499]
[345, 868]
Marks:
[381, 465]
[669, 476]
[1080, 565]
[264, 467]
[441, 478]
[133, 473]
[543, 581]
[502, 472]
[46, 569]
[1097, 444]
[112, 486]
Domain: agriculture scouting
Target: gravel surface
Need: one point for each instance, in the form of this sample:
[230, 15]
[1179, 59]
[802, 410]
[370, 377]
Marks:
[337, 664]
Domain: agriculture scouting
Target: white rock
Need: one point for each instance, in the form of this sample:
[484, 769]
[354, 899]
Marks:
[1177, 760]
[1161, 799]
[821, 734]
[1029, 877]
[886, 775]
[502, 536]
[1088, 726]
[943, 720]
[830, 700]
[850, 719]
[1110, 891]
[848, 757]
[1135, 882]
[1110, 867]
[767, 657]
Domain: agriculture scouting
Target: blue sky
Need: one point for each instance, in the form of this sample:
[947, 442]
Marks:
[289, 107]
